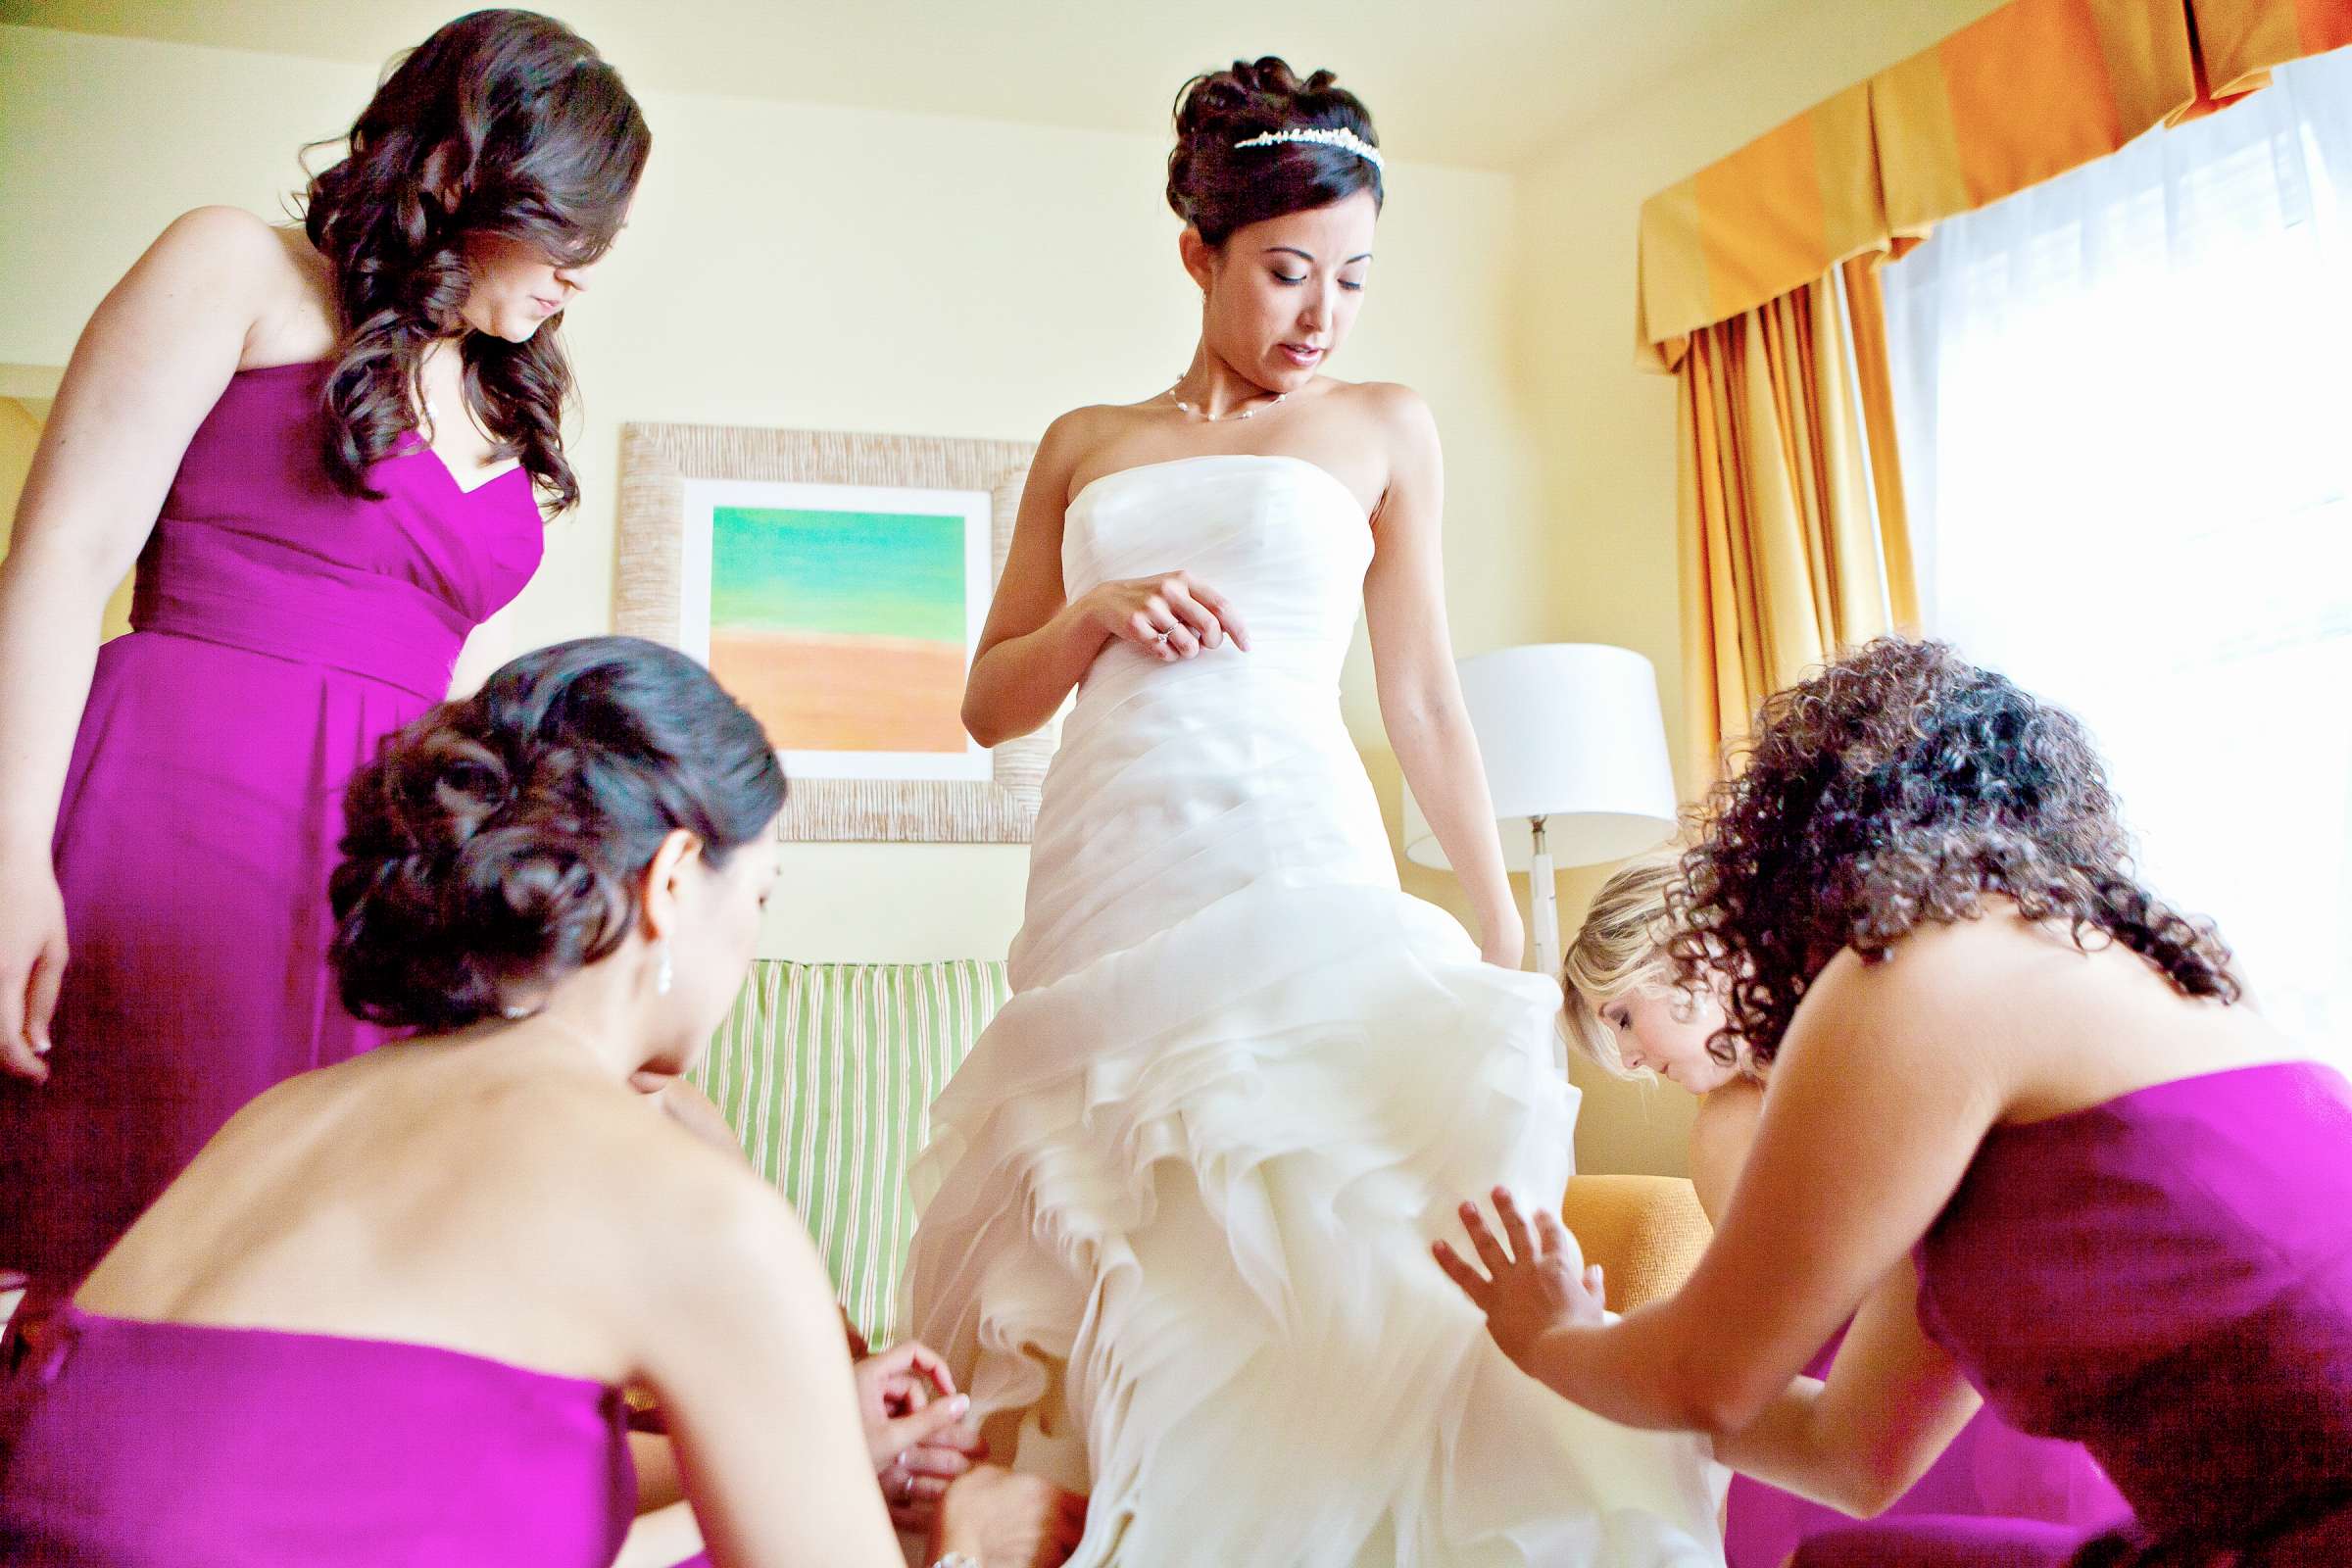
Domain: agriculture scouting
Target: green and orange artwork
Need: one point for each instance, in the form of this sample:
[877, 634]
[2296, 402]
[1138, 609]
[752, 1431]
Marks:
[842, 631]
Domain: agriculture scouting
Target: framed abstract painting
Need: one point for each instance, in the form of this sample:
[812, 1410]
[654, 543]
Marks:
[836, 584]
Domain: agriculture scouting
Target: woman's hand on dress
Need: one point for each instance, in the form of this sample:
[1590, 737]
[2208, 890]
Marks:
[1004, 1520]
[1534, 1281]
[33, 961]
[1170, 616]
[913, 1431]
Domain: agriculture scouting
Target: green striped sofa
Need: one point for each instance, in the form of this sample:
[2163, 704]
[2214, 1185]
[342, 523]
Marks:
[826, 1071]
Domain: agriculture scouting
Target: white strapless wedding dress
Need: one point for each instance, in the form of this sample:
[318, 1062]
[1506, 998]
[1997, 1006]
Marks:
[1178, 1203]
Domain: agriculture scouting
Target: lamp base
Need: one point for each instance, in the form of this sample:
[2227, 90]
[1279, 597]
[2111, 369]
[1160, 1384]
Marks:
[1543, 899]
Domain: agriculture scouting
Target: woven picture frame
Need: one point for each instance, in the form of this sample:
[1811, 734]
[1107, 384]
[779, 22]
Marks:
[657, 461]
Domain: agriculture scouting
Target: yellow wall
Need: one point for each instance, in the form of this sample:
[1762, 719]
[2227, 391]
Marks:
[789, 265]
[25, 399]
[1606, 430]
[19, 431]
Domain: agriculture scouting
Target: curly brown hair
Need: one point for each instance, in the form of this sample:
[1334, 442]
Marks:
[502, 122]
[1903, 785]
[493, 845]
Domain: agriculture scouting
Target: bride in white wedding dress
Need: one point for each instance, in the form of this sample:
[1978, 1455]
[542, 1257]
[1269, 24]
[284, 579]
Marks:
[1177, 1207]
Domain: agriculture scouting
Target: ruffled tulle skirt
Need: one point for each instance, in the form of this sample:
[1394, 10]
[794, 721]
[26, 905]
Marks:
[1175, 1221]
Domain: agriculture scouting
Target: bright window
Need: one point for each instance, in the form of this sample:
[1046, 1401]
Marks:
[2124, 405]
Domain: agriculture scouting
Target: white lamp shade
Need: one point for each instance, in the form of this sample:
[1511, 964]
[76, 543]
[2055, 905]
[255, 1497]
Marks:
[1571, 732]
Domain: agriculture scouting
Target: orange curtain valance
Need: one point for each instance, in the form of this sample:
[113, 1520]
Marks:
[2026, 93]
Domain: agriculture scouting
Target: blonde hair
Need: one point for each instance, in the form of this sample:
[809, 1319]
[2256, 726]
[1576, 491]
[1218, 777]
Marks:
[1621, 946]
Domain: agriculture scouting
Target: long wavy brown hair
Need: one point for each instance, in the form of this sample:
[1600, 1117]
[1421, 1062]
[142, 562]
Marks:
[1899, 786]
[502, 122]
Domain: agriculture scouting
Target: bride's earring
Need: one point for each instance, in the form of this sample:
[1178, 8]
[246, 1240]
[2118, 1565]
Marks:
[664, 974]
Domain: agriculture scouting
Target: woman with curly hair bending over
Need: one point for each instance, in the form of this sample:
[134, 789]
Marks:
[328, 449]
[1626, 1013]
[1994, 1054]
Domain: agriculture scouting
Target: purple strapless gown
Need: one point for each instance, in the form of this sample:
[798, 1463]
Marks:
[1990, 1469]
[2167, 1279]
[281, 630]
[138, 1445]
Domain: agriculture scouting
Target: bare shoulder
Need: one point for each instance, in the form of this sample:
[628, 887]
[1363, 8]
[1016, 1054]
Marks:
[1076, 431]
[1092, 426]
[1940, 970]
[263, 277]
[681, 1200]
[1398, 416]
[622, 1195]
[1923, 1019]
[1395, 421]
[1721, 1135]
[230, 251]
[1391, 401]
[722, 1255]
[1727, 1116]
[1932, 966]
[1087, 443]
[223, 236]
[630, 1144]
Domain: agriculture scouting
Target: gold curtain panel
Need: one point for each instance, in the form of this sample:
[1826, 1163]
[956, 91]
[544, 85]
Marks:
[1792, 539]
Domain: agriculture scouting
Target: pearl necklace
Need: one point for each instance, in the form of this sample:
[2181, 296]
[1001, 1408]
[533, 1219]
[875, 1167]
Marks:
[1217, 418]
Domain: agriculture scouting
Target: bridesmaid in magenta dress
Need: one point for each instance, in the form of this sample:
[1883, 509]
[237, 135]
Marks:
[330, 451]
[386, 1316]
[2022, 1117]
[1625, 1014]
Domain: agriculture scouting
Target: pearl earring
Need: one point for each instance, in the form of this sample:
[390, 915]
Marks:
[665, 974]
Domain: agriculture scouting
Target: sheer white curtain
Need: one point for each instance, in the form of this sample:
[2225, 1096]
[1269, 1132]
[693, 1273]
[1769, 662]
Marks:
[2125, 411]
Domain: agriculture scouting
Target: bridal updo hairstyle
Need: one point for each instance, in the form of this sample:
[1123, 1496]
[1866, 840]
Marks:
[496, 843]
[502, 122]
[1217, 189]
[1903, 786]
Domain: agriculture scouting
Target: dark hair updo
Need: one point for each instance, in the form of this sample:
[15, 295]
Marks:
[1217, 189]
[1901, 786]
[495, 845]
[502, 122]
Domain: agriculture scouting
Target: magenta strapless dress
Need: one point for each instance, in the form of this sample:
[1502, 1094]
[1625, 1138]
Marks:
[281, 630]
[138, 1444]
[2166, 1279]
[1991, 1470]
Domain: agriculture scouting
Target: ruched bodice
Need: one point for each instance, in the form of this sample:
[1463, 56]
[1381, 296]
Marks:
[1206, 775]
[1282, 537]
[256, 548]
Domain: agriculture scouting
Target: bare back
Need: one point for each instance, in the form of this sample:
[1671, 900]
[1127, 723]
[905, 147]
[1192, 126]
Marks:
[428, 1194]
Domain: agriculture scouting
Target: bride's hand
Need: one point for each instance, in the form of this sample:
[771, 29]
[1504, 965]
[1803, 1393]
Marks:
[1539, 1284]
[1170, 616]
[1502, 939]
